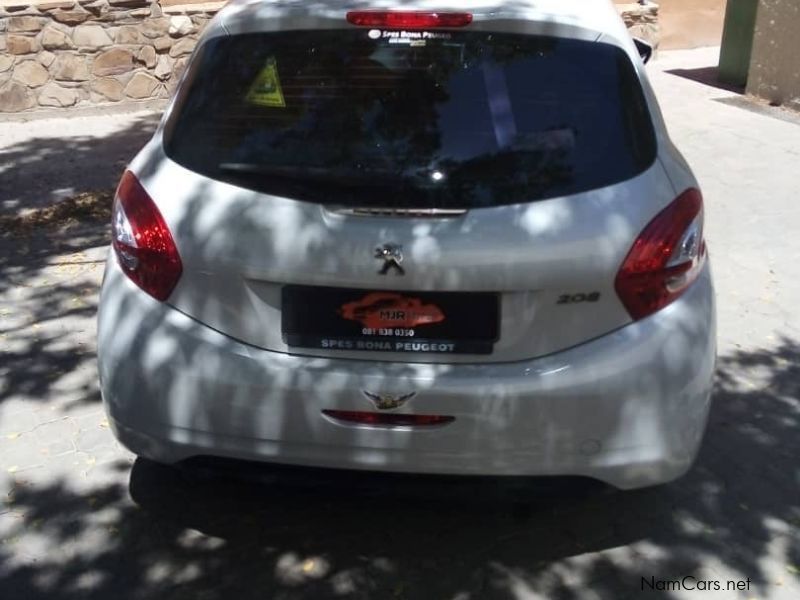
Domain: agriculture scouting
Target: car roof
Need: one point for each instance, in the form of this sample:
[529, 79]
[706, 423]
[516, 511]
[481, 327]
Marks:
[599, 16]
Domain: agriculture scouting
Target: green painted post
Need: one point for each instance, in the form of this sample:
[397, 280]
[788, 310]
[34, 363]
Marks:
[737, 41]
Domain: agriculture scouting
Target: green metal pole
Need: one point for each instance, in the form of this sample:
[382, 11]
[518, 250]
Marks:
[737, 41]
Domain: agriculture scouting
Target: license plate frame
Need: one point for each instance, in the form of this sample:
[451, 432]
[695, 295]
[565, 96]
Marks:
[362, 320]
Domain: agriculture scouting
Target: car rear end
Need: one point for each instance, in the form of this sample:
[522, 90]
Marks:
[446, 242]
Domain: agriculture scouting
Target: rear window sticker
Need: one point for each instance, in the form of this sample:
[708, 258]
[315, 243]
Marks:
[412, 38]
[266, 89]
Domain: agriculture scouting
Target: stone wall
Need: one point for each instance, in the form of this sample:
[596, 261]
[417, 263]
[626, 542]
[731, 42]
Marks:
[62, 53]
[642, 20]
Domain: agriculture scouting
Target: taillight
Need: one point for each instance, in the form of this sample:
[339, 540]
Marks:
[388, 419]
[665, 259]
[143, 244]
[408, 19]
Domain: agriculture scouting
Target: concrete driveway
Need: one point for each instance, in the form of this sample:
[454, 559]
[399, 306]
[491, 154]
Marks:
[79, 518]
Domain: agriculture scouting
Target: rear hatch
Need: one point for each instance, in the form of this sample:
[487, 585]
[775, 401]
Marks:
[427, 196]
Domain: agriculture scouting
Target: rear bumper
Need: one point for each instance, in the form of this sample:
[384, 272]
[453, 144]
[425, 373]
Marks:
[628, 409]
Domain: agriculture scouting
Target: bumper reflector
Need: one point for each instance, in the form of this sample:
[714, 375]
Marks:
[388, 419]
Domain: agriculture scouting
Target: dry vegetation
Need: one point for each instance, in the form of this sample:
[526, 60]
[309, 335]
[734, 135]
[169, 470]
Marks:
[88, 207]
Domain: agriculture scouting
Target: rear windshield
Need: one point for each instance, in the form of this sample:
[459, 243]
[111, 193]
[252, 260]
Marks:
[426, 119]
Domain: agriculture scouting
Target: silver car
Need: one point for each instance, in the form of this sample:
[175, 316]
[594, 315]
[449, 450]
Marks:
[453, 238]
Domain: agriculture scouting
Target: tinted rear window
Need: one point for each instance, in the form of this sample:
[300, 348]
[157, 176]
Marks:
[423, 120]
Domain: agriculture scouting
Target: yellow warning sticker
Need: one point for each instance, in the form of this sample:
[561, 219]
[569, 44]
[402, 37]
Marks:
[266, 89]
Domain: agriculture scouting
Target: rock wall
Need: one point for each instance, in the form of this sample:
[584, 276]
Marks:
[62, 53]
[642, 20]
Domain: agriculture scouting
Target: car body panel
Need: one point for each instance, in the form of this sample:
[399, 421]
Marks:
[533, 254]
[570, 389]
[174, 389]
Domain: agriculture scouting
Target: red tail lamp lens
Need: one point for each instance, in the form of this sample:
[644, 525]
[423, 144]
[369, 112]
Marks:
[665, 259]
[142, 242]
[408, 19]
[388, 419]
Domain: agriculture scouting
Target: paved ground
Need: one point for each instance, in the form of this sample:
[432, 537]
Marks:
[80, 519]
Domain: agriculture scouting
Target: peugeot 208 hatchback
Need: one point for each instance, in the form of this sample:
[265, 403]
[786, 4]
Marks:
[451, 238]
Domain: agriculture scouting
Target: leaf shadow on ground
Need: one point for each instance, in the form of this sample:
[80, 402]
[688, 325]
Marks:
[42, 171]
[322, 535]
[51, 253]
[106, 530]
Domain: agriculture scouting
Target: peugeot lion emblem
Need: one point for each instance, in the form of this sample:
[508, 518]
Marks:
[389, 401]
[392, 257]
